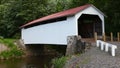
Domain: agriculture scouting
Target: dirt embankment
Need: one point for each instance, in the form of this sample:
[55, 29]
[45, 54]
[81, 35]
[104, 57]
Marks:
[3, 47]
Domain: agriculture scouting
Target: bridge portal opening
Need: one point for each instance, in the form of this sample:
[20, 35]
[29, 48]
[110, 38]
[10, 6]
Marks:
[88, 24]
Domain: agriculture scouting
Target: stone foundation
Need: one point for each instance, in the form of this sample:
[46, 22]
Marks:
[75, 45]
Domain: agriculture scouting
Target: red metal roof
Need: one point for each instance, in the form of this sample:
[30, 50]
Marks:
[58, 15]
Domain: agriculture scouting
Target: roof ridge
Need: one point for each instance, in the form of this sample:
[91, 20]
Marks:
[68, 12]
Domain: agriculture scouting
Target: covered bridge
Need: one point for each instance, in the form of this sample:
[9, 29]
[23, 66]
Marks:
[54, 28]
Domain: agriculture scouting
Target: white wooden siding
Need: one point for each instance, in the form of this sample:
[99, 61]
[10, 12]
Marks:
[52, 33]
[57, 32]
[91, 10]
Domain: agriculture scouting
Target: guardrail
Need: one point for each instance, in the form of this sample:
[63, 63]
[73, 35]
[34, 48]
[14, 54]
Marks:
[104, 45]
[110, 37]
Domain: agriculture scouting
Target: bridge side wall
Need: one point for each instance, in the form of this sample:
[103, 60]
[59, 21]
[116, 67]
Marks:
[52, 33]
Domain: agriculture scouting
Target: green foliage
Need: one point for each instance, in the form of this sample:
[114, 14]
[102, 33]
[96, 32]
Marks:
[16, 52]
[45, 66]
[11, 54]
[14, 13]
[59, 62]
[8, 42]
[13, 50]
[5, 54]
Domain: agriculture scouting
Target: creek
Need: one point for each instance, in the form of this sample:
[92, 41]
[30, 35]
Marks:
[28, 62]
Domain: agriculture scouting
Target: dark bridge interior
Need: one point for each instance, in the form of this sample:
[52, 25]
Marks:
[88, 24]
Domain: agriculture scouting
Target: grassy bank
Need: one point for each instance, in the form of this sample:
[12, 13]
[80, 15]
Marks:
[59, 62]
[12, 52]
[64, 61]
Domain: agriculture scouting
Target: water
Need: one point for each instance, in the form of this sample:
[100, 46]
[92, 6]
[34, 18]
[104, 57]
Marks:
[35, 61]
[28, 62]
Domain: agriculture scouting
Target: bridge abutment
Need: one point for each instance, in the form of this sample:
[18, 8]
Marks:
[75, 45]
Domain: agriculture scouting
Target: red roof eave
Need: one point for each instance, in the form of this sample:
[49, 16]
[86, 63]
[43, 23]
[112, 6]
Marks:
[58, 15]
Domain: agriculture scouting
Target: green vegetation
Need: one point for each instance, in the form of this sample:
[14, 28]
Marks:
[14, 13]
[8, 42]
[59, 62]
[12, 52]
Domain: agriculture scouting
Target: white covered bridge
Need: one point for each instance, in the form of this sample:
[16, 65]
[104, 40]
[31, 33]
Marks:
[54, 28]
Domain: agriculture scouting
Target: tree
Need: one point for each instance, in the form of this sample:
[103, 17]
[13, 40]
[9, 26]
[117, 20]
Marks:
[14, 13]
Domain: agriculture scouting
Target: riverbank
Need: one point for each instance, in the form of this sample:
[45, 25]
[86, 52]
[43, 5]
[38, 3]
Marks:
[8, 49]
[95, 58]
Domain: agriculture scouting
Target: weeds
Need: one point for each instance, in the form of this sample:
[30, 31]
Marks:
[59, 62]
[8, 42]
[13, 49]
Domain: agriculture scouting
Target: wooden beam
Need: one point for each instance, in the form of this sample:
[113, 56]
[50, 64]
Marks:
[111, 37]
[118, 36]
[104, 37]
[95, 36]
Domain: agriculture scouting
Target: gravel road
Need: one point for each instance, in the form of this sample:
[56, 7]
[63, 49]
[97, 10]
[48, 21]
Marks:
[95, 58]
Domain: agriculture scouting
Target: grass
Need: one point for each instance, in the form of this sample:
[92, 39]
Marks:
[59, 62]
[13, 51]
[8, 42]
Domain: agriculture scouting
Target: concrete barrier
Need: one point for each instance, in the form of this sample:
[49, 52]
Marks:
[98, 43]
[113, 47]
[107, 46]
[104, 45]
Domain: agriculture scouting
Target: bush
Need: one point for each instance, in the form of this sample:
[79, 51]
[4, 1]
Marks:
[11, 53]
[5, 54]
[13, 50]
[59, 62]
[1, 37]
[16, 52]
